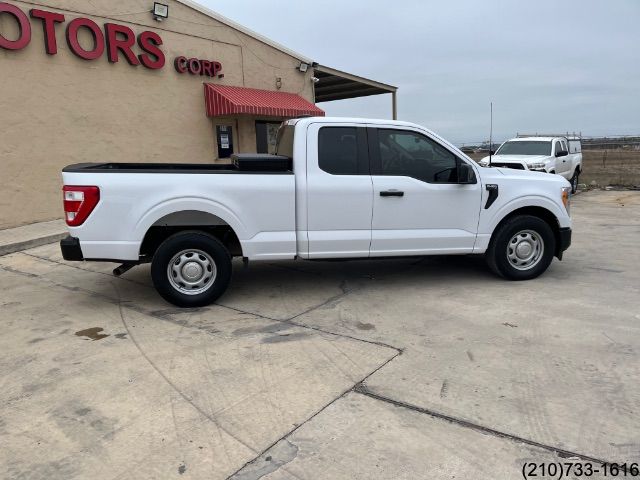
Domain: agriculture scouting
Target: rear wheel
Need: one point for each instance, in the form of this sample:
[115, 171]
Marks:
[191, 269]
[522, 248]
[574, 181]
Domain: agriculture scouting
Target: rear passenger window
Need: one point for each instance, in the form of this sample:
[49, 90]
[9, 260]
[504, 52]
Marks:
[338, 151]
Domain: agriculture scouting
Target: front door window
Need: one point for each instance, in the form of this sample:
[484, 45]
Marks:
[410, 154]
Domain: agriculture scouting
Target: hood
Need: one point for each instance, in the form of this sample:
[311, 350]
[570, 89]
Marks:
[518, 158]
[499, 175]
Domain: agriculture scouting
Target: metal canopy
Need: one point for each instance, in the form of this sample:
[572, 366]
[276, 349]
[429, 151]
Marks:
[337, 85]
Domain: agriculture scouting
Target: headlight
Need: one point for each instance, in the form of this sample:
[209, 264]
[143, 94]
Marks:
[536, 166]
[483, 163]
[566, 199]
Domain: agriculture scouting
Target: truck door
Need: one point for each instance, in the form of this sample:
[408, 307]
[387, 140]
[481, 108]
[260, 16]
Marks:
[339, 191]
[418, 206]
[563, 164]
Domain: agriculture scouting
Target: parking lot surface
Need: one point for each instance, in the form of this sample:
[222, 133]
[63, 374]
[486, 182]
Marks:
[400, 368]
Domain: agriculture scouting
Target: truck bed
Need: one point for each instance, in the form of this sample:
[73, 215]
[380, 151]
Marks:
[258, 205]
[242, 164]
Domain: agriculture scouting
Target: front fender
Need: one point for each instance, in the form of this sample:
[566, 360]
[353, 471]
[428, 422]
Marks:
[489, 221]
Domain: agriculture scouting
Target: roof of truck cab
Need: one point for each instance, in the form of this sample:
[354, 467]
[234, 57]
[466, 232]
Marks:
[529, 139]
[370, 121]
[366, 121]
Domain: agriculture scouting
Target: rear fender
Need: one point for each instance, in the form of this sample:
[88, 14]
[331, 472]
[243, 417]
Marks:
[190, 204]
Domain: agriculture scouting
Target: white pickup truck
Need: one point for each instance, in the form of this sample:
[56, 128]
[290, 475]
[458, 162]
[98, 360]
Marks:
[337, 189]
[552, 154]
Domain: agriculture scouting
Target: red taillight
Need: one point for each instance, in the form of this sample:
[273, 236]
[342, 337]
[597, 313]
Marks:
[79, 202]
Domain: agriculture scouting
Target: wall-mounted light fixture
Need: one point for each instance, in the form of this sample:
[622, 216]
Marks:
[160, 11]
[303, 67]
[278, 83]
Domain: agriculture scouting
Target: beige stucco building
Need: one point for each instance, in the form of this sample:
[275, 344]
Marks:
[77, 90]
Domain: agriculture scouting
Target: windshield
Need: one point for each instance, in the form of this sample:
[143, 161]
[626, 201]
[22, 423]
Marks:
[535, 147]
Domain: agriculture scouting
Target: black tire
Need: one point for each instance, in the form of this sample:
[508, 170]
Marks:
[502, 245]
[574, 181]
[209, 264]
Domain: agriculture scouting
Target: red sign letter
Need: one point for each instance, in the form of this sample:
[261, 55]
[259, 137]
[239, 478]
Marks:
[74, 44]
[25, 28]
[181, 64]
[207, 68]
[195, 68]
[49, 20]
[124, 45]
[149, 42]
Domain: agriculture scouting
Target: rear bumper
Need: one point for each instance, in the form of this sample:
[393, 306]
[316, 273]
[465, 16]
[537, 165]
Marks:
[71, 250]
[564, 241]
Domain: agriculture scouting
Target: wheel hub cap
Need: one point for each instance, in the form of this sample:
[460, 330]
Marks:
[525, 250]
[192, 272]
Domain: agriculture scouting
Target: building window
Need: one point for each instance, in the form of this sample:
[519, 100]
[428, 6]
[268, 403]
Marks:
[267, 137]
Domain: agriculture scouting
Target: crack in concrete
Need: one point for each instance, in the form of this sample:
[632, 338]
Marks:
[234, 475]
[362, 389]
[282, 453]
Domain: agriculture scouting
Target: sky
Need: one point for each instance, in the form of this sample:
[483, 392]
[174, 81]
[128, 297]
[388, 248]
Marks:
[547, 65]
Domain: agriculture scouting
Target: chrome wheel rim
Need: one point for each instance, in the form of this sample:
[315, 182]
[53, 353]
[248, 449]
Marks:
[192, 272]
[525, 250]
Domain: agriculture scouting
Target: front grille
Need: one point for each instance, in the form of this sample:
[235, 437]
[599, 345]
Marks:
[515, 166]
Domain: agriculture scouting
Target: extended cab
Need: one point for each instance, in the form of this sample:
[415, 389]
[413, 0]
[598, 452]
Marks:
[552, 154]
[337, 189]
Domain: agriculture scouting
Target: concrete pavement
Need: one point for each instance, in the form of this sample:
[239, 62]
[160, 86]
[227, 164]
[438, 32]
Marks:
[410, 368]
[33, 235]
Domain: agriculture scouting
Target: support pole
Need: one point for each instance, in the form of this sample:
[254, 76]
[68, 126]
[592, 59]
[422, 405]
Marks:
[394, 101]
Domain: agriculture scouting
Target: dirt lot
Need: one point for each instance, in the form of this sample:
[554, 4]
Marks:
[398, 369]
[606, 167]
[611, 167]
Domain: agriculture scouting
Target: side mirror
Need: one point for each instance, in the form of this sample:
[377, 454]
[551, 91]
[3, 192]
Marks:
[466, 175]
[562, 153]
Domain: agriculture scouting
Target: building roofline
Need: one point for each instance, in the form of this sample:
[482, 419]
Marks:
[356, 78]
[230, 23]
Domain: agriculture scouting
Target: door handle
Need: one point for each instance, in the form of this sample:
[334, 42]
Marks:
[392, 193]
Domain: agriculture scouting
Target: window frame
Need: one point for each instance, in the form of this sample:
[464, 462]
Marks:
[363, 160]
[376, 157]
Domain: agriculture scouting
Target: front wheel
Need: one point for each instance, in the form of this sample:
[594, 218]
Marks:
[522, 248]
[191, 269]
[574, 181]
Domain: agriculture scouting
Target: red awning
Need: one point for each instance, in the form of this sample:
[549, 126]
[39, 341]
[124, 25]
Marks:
[224, 100]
